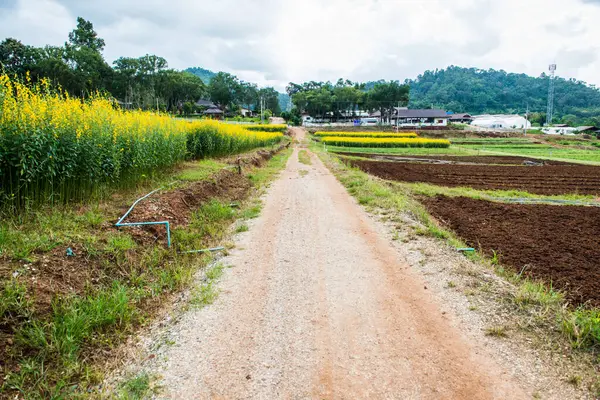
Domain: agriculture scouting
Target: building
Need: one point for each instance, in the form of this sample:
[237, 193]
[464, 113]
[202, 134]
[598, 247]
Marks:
[246, 112]
[461, 118]
[501, 121]
[590, 130]
[405, 117]
[559, 130]
[206, 104]
[213, 113]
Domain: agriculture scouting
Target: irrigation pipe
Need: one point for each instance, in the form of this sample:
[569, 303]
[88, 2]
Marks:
[203, 250]
[120, 222]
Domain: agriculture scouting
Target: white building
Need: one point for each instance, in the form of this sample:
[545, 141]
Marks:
[560, 130]
[501, 121]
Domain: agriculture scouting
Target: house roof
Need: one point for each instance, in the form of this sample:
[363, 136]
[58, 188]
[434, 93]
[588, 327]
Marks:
[213, 111]
[404, 113]
[460, 116]
[586, 128]
[205, 103]
[560, 125]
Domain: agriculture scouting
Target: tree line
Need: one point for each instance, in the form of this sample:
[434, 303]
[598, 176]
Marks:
[146, 82]
[345, 98]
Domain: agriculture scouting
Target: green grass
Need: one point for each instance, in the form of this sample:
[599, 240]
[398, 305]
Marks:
[418, 151]
[582, 326]
[242, 228]
[206, 293]
[207, 226]
[538, 294]
[137, 388]
[58, 341]
[430, 190]
[304, 157]
[15, 306]
[200, 170]
[491, 140]
[252, 211]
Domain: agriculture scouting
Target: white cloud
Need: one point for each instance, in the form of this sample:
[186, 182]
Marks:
[274, 42]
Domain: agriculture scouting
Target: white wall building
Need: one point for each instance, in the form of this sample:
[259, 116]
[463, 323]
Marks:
[560, 130]
[501, 121]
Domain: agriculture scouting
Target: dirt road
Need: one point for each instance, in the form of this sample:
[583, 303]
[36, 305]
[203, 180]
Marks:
[317, 305]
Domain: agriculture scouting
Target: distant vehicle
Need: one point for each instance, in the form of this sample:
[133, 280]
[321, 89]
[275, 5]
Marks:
[369, 121]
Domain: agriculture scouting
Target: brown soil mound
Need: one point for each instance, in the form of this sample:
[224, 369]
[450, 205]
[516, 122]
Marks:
[558, 244]
[177, 206]
[507, 160]
[548, 179]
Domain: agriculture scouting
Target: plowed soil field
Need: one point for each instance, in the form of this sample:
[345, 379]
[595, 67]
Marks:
[557, 244]
[546, 180]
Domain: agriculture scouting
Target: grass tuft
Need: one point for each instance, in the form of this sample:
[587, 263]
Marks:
[497, 331]
[304, 157]
[136, 388]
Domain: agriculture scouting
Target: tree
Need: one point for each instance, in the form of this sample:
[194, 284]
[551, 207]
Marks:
[271, 100]
[85, 36]
[17, 58]
[223, 89]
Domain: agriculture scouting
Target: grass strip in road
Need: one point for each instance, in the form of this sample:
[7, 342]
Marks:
[304, 157]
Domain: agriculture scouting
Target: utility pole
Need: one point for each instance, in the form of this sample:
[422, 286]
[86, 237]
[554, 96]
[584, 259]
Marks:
[261, 110]
[526, 120]
[550, 110]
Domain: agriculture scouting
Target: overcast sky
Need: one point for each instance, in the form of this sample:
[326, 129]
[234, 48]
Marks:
[274, 42]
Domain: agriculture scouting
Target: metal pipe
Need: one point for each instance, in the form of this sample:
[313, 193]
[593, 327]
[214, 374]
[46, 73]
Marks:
[120, 222]
[203, 250]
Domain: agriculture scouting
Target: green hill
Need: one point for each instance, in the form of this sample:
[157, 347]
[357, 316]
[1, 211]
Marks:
[202, 73]
[489, 91]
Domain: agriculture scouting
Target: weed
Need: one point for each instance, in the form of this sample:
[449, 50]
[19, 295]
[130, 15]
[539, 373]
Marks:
[119, 244]
[304, 157]
[451, 284]
[582, 327]
[242, 228]
[497, 331]
[303, 173]
[136, 388]
[252, 211]
[200, 170]
[206, 293]
[536, 293]
[14, 304]
[93, 219]
[575, 380]
[494, 260]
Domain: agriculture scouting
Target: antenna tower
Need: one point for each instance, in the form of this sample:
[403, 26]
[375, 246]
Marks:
[550, 110]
